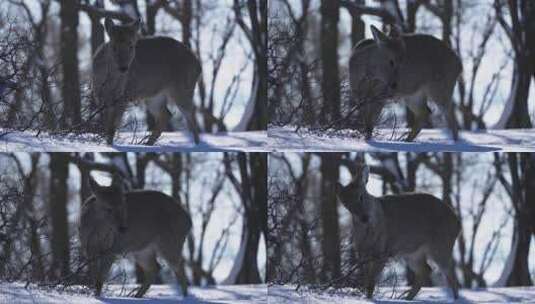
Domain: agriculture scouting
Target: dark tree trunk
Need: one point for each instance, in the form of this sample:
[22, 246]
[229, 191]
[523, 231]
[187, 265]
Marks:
[357, 25]
[97, 30]
[259, 20]
[185, 20]
[70, 90]
[516, 271]
[330, 243]
[152, 10]
[330, 82]
[519, 117]
[253, 173]
[521, 27]
[59, 174]
[256, 220]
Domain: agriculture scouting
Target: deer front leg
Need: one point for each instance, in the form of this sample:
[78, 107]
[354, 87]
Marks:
[114, 114]
[375, 268]
[368, 116]
[99, 269]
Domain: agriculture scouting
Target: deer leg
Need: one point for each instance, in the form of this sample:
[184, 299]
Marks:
[100, 268]
[184, 100]
[444, 260]
[418, 106]
[147, 262]
[176, 262]
[369, 115]
[171, 251]
[441, 95]
[375, 268]
[159, 111]
[422, 270]
[452, 122]
[114, 114]
[191, 121]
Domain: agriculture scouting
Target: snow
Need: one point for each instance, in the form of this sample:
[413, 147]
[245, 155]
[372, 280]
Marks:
[286, 294]
[283, 139]
[16, 293]
[31, 141]
[429, 140]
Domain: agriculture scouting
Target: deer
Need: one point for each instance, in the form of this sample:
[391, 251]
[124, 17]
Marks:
[155, 69]
[411, 68]
[141, 224]
[412, 227]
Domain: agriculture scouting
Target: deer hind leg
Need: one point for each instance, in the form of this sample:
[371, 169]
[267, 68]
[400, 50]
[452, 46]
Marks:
[171, 251]
[184, 100]
[441, 94]
[158, 109]
[419, 266]
[418, 106]
[147, 261]
[442, 256]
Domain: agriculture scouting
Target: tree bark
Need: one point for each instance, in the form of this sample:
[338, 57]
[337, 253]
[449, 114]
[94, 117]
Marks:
[253, 174]
[330, 82]
[516, 270]
[59, 174]
[330, 242]
[70, 90]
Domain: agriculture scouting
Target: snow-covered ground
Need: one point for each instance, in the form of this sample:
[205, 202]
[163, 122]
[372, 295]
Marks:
[15, 293]
[277, 139]
[286, 294]
[429, 140]
[28, 141]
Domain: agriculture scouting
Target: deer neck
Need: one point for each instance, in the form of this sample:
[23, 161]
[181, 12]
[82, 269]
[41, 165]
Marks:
[375, 211]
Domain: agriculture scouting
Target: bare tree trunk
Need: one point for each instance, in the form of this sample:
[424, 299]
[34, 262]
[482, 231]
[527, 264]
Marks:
[59, 174]
[330, 241]
[69, 55]
[516, 270]
[257, 36]
[330, 82]
[516, 112]
[252, 186]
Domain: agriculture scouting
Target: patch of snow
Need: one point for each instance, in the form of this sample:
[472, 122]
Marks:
[283, 139]
[286, 294]
[239, 294]
[387, 140]
[30, 141]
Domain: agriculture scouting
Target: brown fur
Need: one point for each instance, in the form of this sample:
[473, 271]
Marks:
[415, 227]
[155, 69]
[414, 68]
[142, 224]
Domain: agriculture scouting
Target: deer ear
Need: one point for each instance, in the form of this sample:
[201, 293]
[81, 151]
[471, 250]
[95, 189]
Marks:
[379, 37]
[396, 38]
[394, 31]
[95, 187]
[109, 26]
